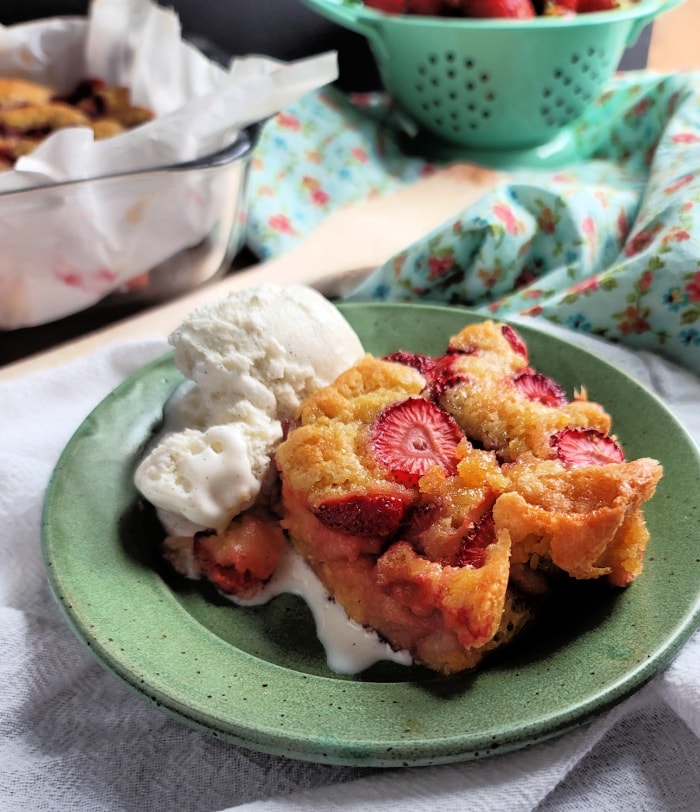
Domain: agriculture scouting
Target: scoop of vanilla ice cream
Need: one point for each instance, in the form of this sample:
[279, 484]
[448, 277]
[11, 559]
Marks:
[210, 476]
[266, 346]
[251, 358]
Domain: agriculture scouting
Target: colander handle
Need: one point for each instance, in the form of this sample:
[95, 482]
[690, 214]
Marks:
[349, 16]
[641, 23]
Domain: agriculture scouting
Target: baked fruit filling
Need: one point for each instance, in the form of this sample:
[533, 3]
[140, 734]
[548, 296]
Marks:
[435, 497]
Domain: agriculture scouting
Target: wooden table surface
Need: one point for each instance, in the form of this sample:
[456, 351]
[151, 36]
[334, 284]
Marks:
[674, 46]
[674, 42]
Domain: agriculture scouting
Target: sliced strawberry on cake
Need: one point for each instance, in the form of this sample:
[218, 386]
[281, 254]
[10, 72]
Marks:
[413, 435]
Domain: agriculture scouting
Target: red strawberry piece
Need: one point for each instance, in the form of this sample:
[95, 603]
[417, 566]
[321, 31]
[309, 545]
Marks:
[472, 552]
[438, 371]
[427, 7]
[418, 519]
[387, 6]
[536, 386]
[578, 447]
[443, 376]
[243, 557]
[516, 343]
[226, 577]
[411, 436]
[366, 515]
[456, 7]
[588, 6]
[422, 363]
[516, 9]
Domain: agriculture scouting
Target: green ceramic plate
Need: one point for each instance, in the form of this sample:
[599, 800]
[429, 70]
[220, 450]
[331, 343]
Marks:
[258, 677]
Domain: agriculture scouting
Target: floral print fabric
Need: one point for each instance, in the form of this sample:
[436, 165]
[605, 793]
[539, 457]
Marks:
[608, 246]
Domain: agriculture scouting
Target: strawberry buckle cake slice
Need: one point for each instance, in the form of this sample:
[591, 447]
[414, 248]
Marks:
[435, 496]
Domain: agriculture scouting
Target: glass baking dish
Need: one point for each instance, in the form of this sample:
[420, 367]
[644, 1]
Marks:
[142, 236]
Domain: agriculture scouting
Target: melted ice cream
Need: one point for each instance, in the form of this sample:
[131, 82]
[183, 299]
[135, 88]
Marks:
[349, 647]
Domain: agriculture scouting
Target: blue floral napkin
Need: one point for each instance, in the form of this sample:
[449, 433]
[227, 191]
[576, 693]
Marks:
[608, 246]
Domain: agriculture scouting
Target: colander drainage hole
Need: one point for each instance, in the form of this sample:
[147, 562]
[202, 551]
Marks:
[454, 91]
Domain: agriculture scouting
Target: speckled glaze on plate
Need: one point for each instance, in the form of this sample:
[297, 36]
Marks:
[258, 677]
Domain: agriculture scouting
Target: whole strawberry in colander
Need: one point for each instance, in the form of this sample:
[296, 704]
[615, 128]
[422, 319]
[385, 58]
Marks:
[387, 6]
[514, 9]
[485, 9]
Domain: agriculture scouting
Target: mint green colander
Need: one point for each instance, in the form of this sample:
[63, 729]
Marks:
[505, 90]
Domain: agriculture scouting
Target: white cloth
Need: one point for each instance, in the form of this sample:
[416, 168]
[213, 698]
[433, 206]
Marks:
[73, 738]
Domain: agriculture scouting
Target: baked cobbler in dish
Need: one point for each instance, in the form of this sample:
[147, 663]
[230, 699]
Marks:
[30, 112]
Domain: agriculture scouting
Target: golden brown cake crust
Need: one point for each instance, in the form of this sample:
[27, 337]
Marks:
[495, 412]
[30, 112]
[22, 91]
